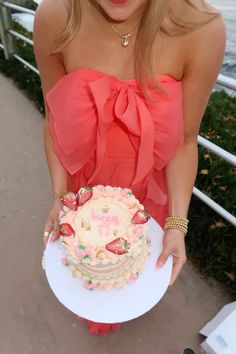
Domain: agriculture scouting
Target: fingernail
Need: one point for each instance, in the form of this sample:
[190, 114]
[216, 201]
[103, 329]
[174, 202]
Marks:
[159, 264]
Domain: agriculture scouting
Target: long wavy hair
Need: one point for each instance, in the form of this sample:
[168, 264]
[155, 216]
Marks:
[158, 15]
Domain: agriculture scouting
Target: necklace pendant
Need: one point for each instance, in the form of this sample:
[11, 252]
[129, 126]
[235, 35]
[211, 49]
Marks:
[125, 40]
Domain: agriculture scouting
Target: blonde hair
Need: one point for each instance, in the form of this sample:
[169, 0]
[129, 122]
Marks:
[158, 16]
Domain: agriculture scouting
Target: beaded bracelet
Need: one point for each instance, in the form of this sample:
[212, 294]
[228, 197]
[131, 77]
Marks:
[177, 222]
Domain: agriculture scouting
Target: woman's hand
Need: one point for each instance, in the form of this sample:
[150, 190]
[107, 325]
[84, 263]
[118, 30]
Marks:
[51, 224]
[173, 244]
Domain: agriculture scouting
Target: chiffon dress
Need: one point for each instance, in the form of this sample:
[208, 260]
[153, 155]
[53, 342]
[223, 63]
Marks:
[105, 132]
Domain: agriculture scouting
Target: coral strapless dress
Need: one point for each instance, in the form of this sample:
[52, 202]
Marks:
[104, 132]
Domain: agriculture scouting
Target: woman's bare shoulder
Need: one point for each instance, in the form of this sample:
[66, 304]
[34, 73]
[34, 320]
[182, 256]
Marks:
[193, 11]
[50, 20]
[210, 32]
[211, 35]
[51, 15]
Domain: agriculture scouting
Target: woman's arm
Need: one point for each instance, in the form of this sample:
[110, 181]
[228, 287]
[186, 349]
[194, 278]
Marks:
[204, 56]
[181, 173]
[49, 20]
[59, 176]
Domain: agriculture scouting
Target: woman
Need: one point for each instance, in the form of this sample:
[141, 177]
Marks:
[125, 86]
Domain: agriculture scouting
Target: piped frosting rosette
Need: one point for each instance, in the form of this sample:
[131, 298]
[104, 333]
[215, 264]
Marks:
[104, 232]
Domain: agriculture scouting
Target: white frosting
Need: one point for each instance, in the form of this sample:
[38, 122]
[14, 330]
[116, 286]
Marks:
[105, 217]
[99, 221]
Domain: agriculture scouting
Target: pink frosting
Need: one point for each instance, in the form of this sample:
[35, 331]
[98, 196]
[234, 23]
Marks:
[69, 217]
[117, 194]
[108, 192]
[130, 200]
[89, 286]
[134, 277]
[100, 187]
[127, 190]
[108, 254]
[64, 261]
[96, 193]
[134, 232]
[82, 252]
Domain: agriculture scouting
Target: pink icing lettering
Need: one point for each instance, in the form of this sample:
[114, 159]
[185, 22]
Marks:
[104, 227]
[105, 222]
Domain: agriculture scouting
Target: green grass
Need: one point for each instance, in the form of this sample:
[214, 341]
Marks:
[211, 241]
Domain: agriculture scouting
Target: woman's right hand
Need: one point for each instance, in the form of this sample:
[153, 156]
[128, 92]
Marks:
[51, 224]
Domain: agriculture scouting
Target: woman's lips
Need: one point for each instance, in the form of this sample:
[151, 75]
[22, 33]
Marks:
[118, 1]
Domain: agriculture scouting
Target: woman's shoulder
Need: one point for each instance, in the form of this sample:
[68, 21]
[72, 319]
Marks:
[192, 10]
[51, 16]
[204, 17]
[49, 22]
[209, 32]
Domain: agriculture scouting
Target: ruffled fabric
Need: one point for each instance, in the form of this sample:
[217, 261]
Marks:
[102, 329]
[85, 107]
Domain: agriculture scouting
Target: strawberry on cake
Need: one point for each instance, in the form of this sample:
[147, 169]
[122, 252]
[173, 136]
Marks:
[104, 232]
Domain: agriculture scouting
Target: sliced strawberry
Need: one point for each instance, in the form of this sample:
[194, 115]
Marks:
[84, 194]
[118, 246]
[140, 217]
[66, 230]
[69, 200]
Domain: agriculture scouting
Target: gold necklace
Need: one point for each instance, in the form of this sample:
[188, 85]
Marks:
[124, 37]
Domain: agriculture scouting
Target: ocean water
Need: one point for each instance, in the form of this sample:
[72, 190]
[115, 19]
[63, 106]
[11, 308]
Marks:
[228, 11]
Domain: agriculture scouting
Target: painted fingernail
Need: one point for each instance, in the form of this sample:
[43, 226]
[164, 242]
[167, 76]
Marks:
[159, 264]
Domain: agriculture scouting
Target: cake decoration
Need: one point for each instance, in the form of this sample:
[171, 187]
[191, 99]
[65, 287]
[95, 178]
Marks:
[66, 230]
[118, 246]
[84, 195]
[140, 217]
[69, 200]
[103, 230]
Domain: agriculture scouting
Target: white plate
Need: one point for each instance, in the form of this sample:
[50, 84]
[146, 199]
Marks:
[114, 305]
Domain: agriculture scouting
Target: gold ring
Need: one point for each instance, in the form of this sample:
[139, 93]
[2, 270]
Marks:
[46, 233]
[43, 262]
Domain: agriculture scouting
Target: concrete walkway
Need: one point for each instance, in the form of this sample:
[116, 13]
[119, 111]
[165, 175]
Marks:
[31, 318]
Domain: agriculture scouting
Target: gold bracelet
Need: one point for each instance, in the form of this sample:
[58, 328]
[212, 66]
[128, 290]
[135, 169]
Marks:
[177, 222]
[177, 218]
[178, 227]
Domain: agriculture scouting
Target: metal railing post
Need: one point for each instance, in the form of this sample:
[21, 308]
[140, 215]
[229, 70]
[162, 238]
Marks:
[5, 24]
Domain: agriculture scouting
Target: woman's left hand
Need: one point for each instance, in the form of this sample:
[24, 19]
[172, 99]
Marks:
[173, 244]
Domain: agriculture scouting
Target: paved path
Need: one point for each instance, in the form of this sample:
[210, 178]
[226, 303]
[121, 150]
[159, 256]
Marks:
[31, 318]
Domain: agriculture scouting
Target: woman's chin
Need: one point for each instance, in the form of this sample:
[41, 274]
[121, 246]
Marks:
[116, 16]
[117, 10]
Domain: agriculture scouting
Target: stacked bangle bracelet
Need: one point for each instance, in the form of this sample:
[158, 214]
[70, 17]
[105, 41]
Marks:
[177, 222]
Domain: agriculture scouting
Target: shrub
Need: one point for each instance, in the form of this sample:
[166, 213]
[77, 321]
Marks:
[211, 241]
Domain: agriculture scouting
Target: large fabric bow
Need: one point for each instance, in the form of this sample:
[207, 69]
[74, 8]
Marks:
[82, 111]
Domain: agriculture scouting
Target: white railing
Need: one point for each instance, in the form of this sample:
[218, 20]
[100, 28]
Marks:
[7, 35]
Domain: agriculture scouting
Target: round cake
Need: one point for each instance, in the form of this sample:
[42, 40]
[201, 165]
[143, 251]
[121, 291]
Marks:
[104, 232]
